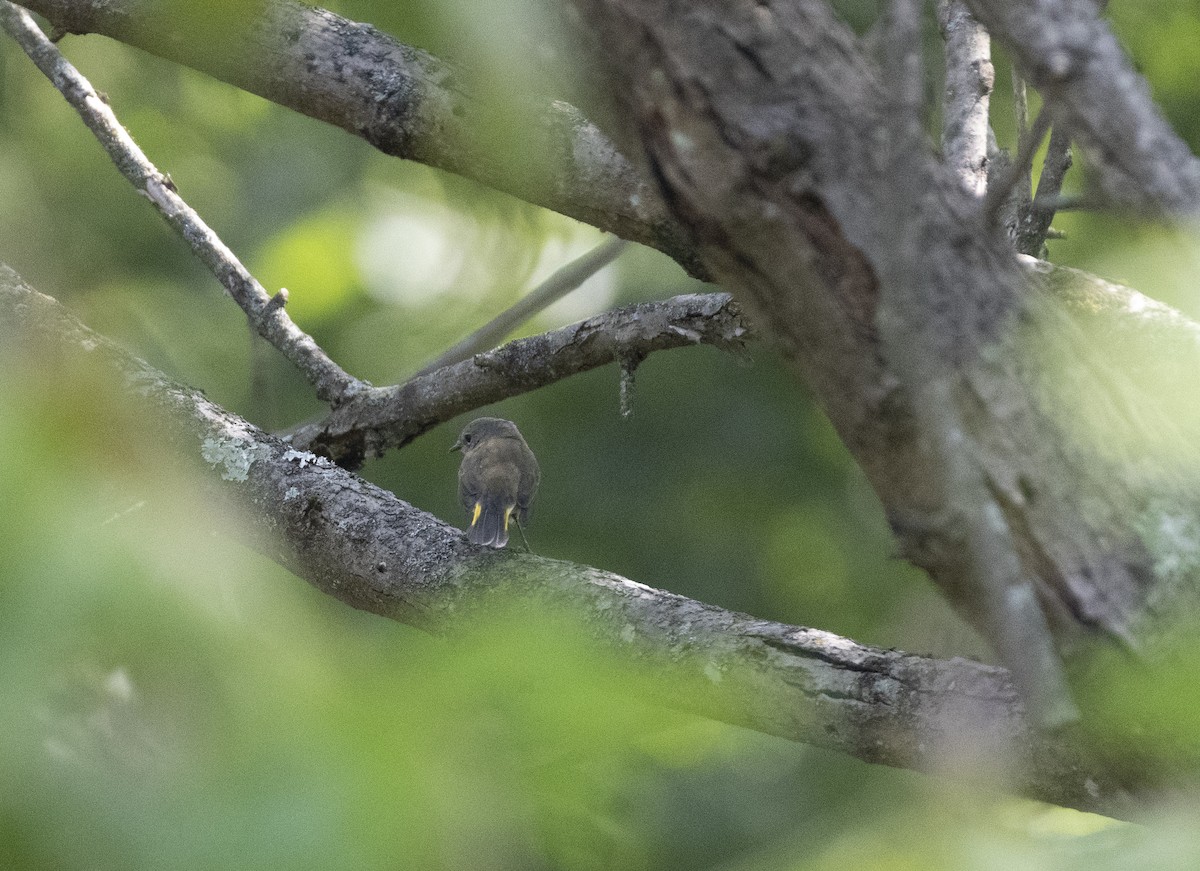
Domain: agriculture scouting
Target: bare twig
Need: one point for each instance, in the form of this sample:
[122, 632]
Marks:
[969, 81]
[382, 418]
[266, 316]
[1033, 224]
[1054, 167]
[372, 551]
[1023, 185]
[554, 288]
[1076, 203]
[1015, 179]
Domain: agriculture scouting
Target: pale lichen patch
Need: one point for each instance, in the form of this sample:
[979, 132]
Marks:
[233, 456]
[306, 458]
[1173, 541]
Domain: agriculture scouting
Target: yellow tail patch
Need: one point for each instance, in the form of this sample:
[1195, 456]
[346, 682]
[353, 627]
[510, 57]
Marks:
[507, 514]
[478, 511]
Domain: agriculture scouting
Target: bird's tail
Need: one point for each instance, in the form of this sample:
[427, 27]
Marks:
[489, 522]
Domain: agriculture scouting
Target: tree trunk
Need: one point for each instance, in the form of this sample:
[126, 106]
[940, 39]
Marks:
[768, 130]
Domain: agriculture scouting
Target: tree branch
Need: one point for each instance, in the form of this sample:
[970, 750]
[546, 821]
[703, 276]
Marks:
[1156, 347]
[382, 418]
[401, 100]
[554, 288]
[1023, 186]
[1016, 181]
[764, 124]
[1072, 57]
[266, 313]
[372, 551]
[1033, 221]
[970, 78]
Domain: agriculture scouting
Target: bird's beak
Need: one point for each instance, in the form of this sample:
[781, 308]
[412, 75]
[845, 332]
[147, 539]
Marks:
[457, 446]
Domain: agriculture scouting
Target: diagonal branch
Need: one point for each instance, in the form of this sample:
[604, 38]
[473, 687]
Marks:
[382, 418]
[372, 551]
[1023, 187]
[402, 100]
[266, 313]
[554, 288]
[1016, 181]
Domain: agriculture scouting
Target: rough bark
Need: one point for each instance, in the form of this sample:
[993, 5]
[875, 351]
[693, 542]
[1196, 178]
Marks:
[375, 552]
[764, 124]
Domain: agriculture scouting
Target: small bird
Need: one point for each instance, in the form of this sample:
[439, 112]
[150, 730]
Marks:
[497, 479]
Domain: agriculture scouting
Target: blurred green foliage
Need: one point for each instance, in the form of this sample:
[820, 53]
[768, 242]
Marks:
[169, 700]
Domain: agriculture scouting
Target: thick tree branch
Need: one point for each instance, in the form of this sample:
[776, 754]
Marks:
[382, 418]
[1071, 56]
[764, 123]
[402, 100]
[266, 313]
[1153, 345]
[369, 549]
[1011, 618]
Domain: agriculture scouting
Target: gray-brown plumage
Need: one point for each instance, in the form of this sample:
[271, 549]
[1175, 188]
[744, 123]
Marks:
[497, 479]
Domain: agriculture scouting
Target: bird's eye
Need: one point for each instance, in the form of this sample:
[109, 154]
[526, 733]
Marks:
[466, 438]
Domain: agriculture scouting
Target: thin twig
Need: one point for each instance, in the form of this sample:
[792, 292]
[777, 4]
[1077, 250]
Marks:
[1033, 223]
[267, 318]
[969, 82]
[1091, 202]
[554, 288]
[1000, 189]
[1023, 184]
[1054, 167]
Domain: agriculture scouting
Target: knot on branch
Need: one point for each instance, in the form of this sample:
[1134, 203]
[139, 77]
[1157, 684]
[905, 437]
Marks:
[278, 301]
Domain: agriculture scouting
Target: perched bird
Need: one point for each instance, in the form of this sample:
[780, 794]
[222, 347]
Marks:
[497, 479]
